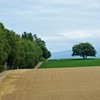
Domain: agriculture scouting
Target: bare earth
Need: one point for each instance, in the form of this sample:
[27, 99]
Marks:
[52, 84]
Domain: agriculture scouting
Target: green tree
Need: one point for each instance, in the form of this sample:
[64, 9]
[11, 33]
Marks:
[4, 46]
[30, 54]
[12, 39]
[83, 50]
[46, 53]
[27, 36]
[20, 51]
[41, 43]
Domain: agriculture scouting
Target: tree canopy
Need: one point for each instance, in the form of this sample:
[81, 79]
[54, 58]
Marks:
[83, 50]
[21, 51]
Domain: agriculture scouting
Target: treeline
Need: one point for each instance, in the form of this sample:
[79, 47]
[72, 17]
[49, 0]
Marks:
[23, 51]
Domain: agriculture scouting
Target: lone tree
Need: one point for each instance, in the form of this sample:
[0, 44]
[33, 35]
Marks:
[83, 50]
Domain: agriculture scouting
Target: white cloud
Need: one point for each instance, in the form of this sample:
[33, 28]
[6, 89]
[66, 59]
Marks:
[82, 34]
[65, 41]
[77, 34]
[72, 21]
[95, 5]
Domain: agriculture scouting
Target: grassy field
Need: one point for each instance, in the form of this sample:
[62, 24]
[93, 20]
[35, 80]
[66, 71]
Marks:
[70, 63]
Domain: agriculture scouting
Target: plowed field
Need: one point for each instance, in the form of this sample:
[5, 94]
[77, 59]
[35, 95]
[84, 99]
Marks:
[52, 84]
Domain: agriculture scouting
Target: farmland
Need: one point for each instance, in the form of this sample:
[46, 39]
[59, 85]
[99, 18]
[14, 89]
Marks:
[82, 83]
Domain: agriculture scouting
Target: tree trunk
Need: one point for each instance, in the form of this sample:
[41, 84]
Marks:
[17, 67]
[84, 56]
[5, 67]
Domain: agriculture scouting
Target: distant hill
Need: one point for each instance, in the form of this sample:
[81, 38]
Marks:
[61, 54]
[67, 54]
[98, 53]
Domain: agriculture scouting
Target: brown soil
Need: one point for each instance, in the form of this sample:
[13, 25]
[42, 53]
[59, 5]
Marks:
[52, 84]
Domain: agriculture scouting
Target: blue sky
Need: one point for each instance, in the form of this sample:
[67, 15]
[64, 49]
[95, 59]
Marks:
[61, 23]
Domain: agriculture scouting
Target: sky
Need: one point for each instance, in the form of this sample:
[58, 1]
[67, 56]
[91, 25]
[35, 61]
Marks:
[60, 23]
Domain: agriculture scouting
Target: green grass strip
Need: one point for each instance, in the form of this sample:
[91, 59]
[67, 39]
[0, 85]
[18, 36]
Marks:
[62, 63]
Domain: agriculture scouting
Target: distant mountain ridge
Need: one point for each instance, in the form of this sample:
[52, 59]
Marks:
[67, 54]
[98, 53]
[61, 54]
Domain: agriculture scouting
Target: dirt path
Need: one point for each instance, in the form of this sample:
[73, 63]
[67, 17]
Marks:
[38, 65]
[52, 84]
[4, 74]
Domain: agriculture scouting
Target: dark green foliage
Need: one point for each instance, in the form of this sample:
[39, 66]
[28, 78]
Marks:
[30, 52]
[1, 68]
[27, 36]
[1, 26]
[45, 53]
[68, 63]
[20, 51]
[84, 50]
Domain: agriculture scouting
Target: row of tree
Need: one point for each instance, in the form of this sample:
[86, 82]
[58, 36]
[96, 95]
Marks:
[21, 51]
